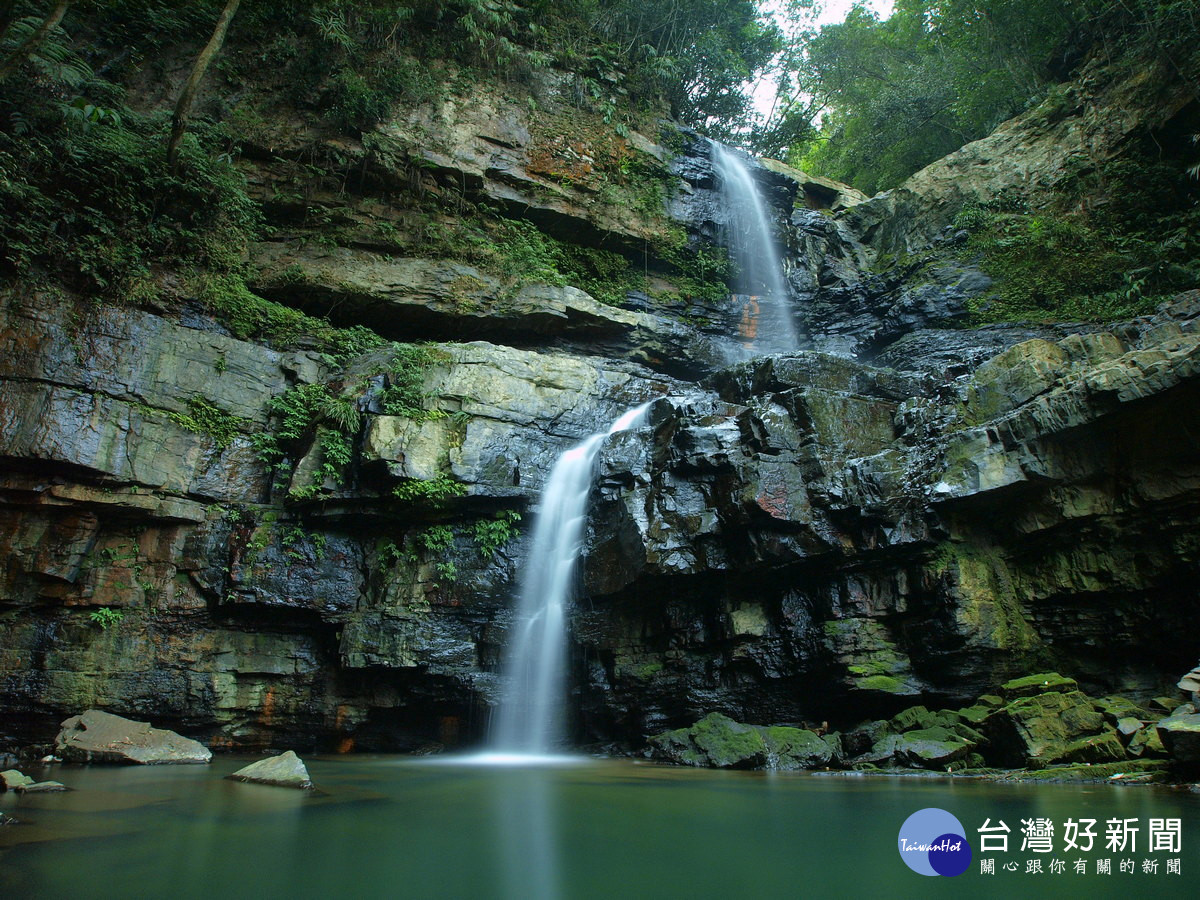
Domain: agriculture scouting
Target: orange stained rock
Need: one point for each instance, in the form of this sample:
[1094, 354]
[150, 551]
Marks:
[748, 326]
[268, 706]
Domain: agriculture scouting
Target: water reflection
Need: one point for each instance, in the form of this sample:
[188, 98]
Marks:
[526, 823]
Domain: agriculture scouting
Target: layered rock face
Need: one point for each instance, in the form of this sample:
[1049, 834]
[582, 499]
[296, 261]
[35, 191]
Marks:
[898, 514]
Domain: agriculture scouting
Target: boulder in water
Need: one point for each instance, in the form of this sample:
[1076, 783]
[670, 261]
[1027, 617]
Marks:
[97, 736]
[284, 770]
[12, 780]
[43, 787]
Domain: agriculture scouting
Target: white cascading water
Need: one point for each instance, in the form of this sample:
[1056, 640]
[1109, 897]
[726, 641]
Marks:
[767, 324]
[529, 721]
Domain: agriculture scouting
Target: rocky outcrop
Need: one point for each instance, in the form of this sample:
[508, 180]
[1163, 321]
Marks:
[263, 548]
[1036, 723]
[716, 741]
[96, 736]
[443, 299]
[284, 770]
[800, 537]
[1081, 125]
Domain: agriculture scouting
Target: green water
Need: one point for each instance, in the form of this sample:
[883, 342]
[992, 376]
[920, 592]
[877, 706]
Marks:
[399, 828]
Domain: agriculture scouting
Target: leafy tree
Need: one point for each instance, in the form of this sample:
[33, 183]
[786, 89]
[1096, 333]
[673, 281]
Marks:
[34, 39]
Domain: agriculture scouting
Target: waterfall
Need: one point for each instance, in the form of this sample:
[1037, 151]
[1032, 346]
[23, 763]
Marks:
[530, 718]
[767, 324]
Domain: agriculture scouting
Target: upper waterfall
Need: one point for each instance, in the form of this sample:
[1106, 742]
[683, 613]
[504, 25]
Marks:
[767, 323]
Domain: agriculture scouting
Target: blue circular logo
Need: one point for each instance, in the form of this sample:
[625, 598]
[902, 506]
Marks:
[933, 842]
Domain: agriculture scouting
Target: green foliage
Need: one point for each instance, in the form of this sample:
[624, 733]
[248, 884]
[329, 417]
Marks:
[85, 191]
[1061, 268]
[250, 316]
[437, 538]
[933, 76]
[391, 555]
[205, 417]
[404, 394]
[309, 414]
[106, 616]
[492, 534]
[897, 94]
[433, 491]
[296, 535]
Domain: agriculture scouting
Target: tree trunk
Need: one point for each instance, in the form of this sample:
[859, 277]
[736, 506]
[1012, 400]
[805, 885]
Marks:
[183, 106]
[31, 43]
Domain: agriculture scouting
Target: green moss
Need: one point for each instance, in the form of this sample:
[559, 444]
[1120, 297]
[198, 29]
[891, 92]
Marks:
[205, 417]
[648, 671]
[1140, 770]
[1050, 267]
[249, 316]
[990, 604]
[726, 743]
[1044, 683]
[885, 683]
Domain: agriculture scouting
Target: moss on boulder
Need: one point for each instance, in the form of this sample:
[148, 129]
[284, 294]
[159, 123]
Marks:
[717, 741]
[1044, 683]
[1040, 728]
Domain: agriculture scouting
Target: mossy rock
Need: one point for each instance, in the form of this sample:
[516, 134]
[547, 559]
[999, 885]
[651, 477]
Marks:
[797, 748]
[991, 701]
[728, 744]
[861, 739]
[1180, 735]
[1132, 770]
[974, 715]
[1045, 683]
[1147, 744]
[1099, 748]
[882, 752]
[1039, 728]
[1127, 728]
[1117, 708]
[717, 741]
[913, 717]
[967, 733]
[1166, 705]
[931, 748]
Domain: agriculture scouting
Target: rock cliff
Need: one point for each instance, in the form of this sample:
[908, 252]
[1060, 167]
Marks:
[265, 544]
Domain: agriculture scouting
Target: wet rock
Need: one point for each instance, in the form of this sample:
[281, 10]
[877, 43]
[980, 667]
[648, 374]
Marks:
[913, 717]
[1117, 709]
[43, 787]
[1180, 736]
[1146, 744]
[1190, 683]
[8, 820]
[12, 780]
[1128, 727]
[284, 770]
[97, 736]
